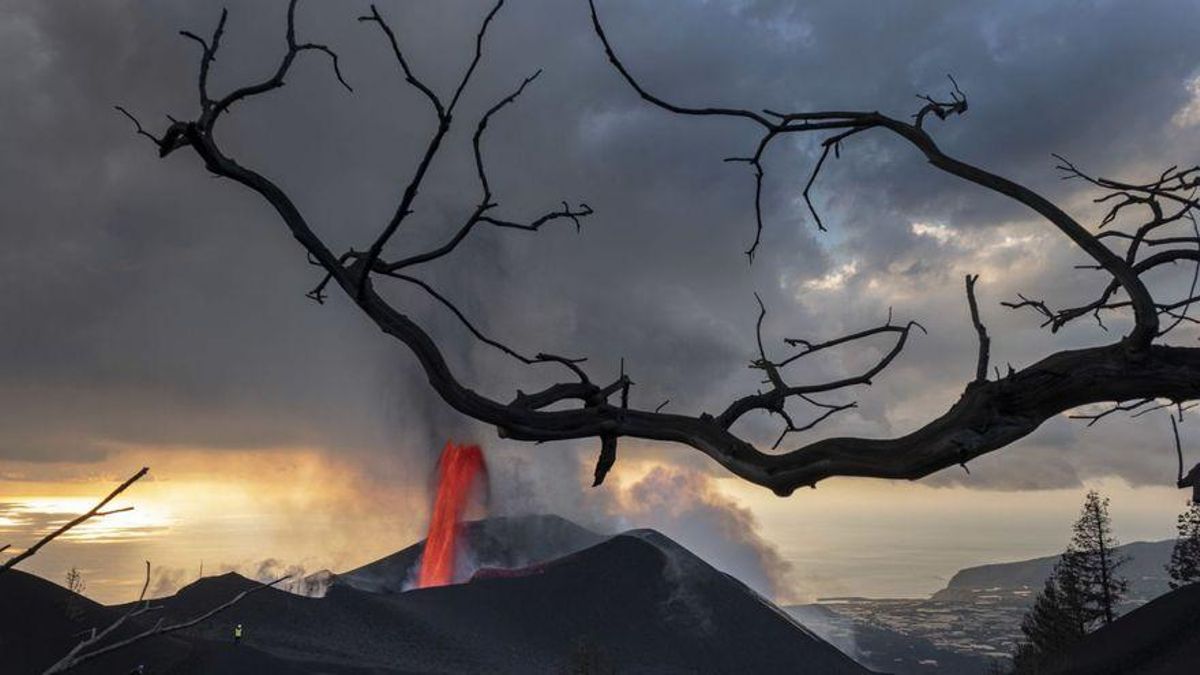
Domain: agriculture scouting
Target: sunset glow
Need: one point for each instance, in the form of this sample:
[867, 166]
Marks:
[810, 324]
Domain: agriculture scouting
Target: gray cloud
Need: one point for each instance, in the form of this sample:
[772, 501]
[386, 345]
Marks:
[147, 303]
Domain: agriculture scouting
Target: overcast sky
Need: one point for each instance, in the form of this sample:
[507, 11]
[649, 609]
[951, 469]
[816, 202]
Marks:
[149, 307]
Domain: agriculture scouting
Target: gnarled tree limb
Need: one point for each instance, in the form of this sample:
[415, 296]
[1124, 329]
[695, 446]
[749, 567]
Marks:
[988, 416]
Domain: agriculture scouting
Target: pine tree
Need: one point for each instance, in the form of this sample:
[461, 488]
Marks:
[1072, 597]
[1056, 621]
[1083, 589]
[1185, 557]
[1094, 562]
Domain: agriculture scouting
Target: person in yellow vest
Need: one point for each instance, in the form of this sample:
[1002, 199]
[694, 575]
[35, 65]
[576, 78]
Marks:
[237, 634]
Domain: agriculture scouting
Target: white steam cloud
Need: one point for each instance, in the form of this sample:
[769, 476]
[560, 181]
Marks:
[681, 502]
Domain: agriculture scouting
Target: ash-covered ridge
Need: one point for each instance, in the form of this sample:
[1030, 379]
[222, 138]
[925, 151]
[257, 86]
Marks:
[633, 602]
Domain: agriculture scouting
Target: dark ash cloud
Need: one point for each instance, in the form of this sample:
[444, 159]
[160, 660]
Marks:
[148, 304]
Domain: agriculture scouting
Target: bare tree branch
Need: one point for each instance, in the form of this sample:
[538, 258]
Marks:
[957, 105]
[1170, 200]
[1115, 408]
[409, 77]
[608, 457]
[211, 111]
[528, 360]
[90, 648]
[445, 114]
[1192, 479]
[774, 401]
[1146, 327]
[1178, 449]
[96, 511]
[988, 416]
[984, 341]
[208, 54]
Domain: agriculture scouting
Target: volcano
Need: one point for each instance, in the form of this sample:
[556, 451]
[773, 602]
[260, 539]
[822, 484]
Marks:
[508, 543]
[570, 600]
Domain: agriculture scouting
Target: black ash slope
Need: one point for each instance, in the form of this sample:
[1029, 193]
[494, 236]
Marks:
[636, 602]
[1161, 637]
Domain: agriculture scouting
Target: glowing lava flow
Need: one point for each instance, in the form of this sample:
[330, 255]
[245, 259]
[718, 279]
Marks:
[457, 471]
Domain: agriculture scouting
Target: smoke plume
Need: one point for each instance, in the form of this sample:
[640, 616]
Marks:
[681, 502]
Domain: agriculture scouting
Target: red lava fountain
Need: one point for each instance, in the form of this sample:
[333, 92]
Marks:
[458, 470]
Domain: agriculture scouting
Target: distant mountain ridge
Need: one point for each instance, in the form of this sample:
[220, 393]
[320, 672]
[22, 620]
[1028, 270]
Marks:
[1144, 570]
[965, 628]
